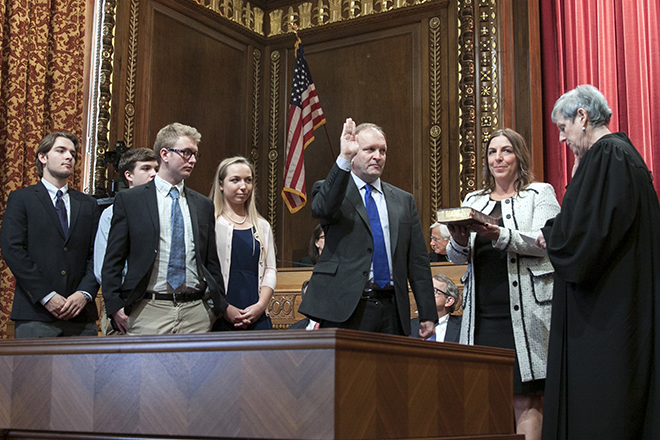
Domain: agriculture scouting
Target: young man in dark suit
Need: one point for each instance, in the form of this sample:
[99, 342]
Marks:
[47, 240]
[166, 234]
[374, 244]
[448, 328]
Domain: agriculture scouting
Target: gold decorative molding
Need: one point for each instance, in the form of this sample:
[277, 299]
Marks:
[304, 15]
[273, 137]
[435, 141]
[466, 97]
[488, 69]
[256, 87]
[131, 70]
[102, 104]
[249, 17]
[281, 306]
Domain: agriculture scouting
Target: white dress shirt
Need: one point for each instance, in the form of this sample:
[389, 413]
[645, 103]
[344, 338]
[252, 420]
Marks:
[158, 281]
[381, 204]
[52, 193]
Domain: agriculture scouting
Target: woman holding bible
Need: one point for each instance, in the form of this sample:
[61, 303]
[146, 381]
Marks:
[508, 283]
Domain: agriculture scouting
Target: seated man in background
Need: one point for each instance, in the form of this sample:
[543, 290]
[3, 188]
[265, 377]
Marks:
[448, 328]
[439, 240]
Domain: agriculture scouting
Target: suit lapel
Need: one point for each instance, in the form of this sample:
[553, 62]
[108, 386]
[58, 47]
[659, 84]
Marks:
[393, 213]
[192, 207]
[75, 203]
[353, 195]
[152, 205]
[42, 195]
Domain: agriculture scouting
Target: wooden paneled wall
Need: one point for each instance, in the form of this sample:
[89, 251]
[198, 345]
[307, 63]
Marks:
[434, 74]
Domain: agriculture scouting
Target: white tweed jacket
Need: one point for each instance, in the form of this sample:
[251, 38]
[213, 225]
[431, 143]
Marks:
[529, 269]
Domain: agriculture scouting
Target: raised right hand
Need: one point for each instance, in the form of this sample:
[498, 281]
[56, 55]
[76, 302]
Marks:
[348, 140]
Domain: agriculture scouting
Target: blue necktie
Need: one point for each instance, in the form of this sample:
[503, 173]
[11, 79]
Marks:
[60, 207]
[176, 268]
[381, 269]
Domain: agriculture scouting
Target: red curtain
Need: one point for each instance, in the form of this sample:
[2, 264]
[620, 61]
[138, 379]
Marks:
[615, 46]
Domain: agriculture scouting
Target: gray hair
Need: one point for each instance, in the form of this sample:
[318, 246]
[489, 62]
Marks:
[444, 230]
[369, 126]
[588, 98]
[450, 290]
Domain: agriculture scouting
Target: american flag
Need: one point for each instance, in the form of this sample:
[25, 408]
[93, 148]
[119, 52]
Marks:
[305, 116]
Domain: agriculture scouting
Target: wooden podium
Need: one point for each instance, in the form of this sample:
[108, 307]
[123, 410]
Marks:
[327, 384]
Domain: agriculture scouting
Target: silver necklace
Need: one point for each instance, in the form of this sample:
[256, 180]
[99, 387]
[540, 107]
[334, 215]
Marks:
[238, 223]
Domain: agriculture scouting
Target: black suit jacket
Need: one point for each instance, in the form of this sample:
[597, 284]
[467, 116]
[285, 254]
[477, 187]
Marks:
[41, 258]
[453, 333]
[342, 271]
[134, 236]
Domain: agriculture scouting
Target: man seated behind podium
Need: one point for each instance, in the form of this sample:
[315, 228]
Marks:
[439, 239]
[165, 232]
[448, 328]
[373, 244]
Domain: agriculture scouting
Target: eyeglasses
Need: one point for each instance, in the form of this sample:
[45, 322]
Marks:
[186, 154]
[438, 292]
[434, 239]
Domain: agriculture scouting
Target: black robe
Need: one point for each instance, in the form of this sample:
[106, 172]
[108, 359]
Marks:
[602, 380]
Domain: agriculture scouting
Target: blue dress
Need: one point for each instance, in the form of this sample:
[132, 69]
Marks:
[243, 288]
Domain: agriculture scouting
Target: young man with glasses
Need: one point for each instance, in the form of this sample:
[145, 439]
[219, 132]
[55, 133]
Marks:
[166, 234]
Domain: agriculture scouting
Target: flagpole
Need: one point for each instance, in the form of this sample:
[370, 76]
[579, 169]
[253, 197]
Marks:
[332, 150]
[327, 133]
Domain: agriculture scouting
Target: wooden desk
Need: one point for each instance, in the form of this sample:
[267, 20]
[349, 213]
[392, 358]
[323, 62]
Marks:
[286, 299]
[327, 384]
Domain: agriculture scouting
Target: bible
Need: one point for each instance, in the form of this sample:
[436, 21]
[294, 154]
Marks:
[463, 216]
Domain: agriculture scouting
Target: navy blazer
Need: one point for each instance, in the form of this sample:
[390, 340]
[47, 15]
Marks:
[41, 258]
[342, 271]
[453, 333]
[134, 237]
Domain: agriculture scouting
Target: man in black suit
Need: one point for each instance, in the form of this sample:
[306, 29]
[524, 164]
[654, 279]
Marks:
[374, 244]
[47, 241]
[166, 234]
[448, 328]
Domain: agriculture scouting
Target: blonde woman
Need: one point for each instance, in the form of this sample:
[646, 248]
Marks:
[245, 247]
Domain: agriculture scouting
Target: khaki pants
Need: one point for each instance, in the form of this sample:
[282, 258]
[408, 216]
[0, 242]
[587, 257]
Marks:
[160, 317]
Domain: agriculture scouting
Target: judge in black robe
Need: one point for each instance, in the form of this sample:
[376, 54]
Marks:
[602, 380]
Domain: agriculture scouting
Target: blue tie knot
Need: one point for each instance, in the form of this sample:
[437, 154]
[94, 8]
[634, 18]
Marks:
[174, 193]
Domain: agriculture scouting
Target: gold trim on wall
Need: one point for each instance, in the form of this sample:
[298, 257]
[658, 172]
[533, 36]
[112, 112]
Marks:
[303, 15]
[273, 138]
[435, 111]
[104, 89]
[131, 72]
[488, 76]
[466, 97]
[256, 87]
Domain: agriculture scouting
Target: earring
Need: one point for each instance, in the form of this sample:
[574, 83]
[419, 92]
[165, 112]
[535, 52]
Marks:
[584, 128]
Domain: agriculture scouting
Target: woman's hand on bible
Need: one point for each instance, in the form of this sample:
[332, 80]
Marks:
[460, 234]
[491, 232]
